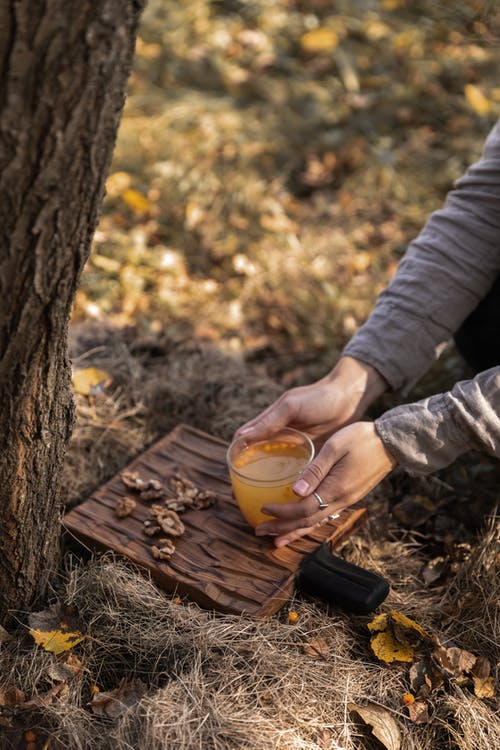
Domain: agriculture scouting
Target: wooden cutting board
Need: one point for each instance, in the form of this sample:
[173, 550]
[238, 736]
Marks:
[218, 563]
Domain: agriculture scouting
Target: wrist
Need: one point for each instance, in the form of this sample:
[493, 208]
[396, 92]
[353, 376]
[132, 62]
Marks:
[359, 381]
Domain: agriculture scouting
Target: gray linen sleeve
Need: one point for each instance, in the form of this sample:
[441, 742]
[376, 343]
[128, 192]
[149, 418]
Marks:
[430, 434]
[446, 271]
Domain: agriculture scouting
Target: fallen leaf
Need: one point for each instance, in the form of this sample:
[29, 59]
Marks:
[484, 687]
[378, 623]
[383, 725]
[482, 667]
[406, 628]
[136, 201]
[454, 660]
[55, 629]
[419, 712]
[59, 691]
[11, 697]
[477, 100]
[317, 648]
[396, 637]
[319, 41]
[114, 703]
[386, 648]
[86, 380]
[66, 669]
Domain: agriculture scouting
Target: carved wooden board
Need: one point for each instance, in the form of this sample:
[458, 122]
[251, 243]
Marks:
[218, 562]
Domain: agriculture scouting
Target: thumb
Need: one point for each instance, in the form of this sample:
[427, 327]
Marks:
[317, 470]
[270, 421]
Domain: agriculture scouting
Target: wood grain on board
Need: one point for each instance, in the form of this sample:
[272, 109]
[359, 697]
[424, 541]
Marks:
[218, 563]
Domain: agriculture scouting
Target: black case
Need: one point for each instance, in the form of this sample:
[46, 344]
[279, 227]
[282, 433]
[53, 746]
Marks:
[341, 583]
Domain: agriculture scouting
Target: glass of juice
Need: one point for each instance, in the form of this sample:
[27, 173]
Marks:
[264, 472]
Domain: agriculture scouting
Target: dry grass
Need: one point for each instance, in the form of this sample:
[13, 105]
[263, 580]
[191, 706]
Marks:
[223, 682]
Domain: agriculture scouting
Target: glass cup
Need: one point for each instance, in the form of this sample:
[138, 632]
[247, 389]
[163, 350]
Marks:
[264, 472]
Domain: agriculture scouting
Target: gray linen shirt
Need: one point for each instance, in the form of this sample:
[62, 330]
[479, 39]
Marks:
[444, 274]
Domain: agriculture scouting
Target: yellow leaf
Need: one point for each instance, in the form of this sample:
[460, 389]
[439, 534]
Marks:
[54, 629]
[136, 201]
[117, 183]
[378, 623]
[477, 100]
[388, 649]
[56, 641]
[90, 377]
[406, 622]
[319, 41]
[484, 687]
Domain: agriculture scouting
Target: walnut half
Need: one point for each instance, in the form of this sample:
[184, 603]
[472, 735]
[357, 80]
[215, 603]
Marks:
[124, 507]
[165, 551]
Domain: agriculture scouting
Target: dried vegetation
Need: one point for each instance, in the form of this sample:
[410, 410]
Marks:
[274, 159]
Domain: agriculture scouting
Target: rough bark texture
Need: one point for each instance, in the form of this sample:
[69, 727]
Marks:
[63, 71]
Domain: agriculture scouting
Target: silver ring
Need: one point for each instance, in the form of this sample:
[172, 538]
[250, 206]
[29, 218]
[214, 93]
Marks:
[333, 516]
[321, 502]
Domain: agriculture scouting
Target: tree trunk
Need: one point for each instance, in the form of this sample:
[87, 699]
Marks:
[63, 71]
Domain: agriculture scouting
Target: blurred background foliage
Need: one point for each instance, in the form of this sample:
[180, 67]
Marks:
[275, 158]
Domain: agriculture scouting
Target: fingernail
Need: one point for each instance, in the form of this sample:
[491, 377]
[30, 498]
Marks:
[301, 487]
[244, 430]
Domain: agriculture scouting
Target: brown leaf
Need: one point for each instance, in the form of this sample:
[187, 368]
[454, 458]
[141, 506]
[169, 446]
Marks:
[11, 697]
[316, 648]
[419, 712]
[114, 703]
[65, 669]
[60, 691]
[383, 725]
[454, 660]
[481, 668]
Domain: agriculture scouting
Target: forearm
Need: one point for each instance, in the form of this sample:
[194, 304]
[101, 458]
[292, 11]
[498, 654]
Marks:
[430, 434]
[447, 270]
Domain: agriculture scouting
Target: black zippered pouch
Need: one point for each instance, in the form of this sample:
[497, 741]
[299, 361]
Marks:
[340, 583]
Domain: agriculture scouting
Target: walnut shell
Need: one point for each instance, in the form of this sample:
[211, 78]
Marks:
[164, 552]
[124, 507]
[171, 524]
[132, 480]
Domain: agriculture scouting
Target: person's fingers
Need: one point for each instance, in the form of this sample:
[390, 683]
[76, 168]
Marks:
[270, 421]
[316, 472]
[284, 539]
[304, 514]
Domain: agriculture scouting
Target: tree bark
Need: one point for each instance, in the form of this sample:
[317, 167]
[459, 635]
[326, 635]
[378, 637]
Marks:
[63, 71]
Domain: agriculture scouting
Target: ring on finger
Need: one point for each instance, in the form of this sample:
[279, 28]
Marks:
[321, 503]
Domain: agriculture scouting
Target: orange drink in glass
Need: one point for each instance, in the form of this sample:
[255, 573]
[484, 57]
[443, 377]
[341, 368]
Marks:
[265, 472]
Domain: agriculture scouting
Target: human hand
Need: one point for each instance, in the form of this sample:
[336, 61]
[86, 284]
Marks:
[350, 464]
[338, 399]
